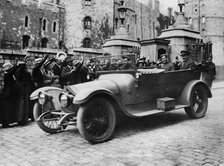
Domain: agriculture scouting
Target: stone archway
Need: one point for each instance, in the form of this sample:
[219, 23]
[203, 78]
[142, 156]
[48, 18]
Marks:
[44, 42]
[160, 52]
[26, 40]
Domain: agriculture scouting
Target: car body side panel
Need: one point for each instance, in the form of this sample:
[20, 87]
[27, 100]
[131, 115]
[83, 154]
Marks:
[86, 94]
[166, 84]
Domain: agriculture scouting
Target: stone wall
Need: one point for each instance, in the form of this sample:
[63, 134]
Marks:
[208, 18]
[13, 29]
[140, 20]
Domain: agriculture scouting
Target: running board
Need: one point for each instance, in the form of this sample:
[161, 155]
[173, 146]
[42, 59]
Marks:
[156, 111]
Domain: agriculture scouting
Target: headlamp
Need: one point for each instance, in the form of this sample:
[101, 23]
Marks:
[65, 99]
[41, 98]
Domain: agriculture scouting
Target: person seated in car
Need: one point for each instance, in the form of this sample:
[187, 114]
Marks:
[164, 64]
[114, 64]
[141, 63]
[177, 63]
[188, 62]
[127, 63]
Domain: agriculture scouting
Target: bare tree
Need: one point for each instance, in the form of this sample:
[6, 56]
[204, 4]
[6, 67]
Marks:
[100, 31]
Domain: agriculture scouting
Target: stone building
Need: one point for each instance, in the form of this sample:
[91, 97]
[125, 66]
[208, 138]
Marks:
[86, 18]
[31, 23]
[207, 16]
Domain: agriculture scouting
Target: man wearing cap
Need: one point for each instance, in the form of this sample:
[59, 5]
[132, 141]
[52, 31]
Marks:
[188, 62]
[67, 67]
[164, 64]
[141, 63]
[37, 74]
[127, 63]
[70, 72]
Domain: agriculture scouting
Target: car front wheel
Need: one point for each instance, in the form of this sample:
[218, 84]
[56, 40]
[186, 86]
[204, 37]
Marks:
[198, 103]
[96, 120]
[48, 121]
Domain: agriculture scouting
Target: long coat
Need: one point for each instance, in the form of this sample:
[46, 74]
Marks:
[8, 98]
[24, 87]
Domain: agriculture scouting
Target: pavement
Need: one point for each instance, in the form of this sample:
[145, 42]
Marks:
[170, 139]
[218, 85]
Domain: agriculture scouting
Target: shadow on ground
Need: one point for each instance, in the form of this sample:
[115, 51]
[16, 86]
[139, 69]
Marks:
[132, 126]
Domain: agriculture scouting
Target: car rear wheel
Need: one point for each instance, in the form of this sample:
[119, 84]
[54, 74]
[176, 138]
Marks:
[48, 121]
[198, 103]
[96, 120]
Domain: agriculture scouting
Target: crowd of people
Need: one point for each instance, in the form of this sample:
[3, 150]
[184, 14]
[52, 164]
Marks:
[163, 62]
[61, 71]
[19, 83]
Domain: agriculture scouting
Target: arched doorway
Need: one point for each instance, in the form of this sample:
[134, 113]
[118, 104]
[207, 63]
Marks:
[26, 40]
[160, 52]
[44, 42]
[86, 42]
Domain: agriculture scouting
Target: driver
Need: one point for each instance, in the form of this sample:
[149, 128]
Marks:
[188, 62]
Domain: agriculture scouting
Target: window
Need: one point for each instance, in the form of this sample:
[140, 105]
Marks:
[203, 20]
[26, 23]
[86, 42]
[57, 2]
[26, 39]
[54, 27]
[44, 26]
[44, 42]
[116, 23]
[190, 20]
[87, 22]
[87, 2]
[170, 10]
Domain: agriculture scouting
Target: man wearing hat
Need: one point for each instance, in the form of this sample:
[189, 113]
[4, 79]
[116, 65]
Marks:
[8, 95]
[37, 74]
[127, 63]
[164, 64]
[66, 69]
[141, 63]
[188, 62]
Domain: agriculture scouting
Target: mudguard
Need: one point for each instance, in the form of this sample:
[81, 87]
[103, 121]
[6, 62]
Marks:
[185, 95]
[51, 91]
[84, 95]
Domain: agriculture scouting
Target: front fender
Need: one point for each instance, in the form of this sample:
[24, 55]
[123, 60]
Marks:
[84, 95]
[185, 95]
[46, 89]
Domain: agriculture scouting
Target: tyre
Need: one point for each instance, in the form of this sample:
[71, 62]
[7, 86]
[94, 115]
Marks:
[96, 120]
[198, 103]
[37, 111]
[49, 122]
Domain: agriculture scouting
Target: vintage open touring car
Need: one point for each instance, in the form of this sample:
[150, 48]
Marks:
[96, 105]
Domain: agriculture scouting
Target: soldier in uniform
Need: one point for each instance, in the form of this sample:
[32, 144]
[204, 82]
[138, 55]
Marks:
[164, 64]
[188, 62]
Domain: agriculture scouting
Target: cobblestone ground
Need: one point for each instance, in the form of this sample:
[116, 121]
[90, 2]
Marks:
[167, 139]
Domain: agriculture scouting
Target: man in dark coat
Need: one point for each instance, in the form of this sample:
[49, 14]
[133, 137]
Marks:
[24, 87]
[37, 74]
[188, 62]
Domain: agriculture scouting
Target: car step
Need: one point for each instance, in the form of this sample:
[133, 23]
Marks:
[156, 111]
